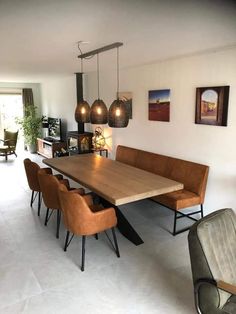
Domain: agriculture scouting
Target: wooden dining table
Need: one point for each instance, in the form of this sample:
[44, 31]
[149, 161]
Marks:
[114, 182]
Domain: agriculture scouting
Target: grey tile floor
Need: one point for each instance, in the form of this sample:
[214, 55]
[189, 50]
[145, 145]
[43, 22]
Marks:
[37, 276]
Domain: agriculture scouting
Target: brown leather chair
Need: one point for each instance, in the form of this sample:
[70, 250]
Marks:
[31, 170]
[82, 217]
[49, 185]
[9, 144]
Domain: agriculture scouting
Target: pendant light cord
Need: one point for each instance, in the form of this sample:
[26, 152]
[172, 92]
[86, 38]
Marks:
[118, 83]
[98, 74]
[82, 78]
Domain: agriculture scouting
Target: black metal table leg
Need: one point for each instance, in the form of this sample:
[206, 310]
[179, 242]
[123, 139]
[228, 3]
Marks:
[123, 225]
[126, 229]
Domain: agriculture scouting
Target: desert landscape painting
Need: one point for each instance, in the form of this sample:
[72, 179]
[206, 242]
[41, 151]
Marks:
[209, 105]
[159, 105]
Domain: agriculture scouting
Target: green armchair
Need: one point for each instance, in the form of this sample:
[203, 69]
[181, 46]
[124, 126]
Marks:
[8, 146]
[212, 247]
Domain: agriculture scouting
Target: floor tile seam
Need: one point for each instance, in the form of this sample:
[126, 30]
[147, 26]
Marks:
[9, 228]
[24, 214]
[57, 286]
[21, 301]
[27, 297]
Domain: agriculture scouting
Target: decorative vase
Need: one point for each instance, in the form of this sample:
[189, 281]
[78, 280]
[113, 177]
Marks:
[31, 148]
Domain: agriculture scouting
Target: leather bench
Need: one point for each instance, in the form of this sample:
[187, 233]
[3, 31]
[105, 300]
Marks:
[192, 175]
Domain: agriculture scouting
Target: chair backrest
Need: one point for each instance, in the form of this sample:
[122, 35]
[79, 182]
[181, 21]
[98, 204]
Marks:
[49, 187]
[10, 138]
[212, 246]
[78, 217]
[31, 169]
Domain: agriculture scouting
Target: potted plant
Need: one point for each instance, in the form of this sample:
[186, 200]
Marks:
[30, 124]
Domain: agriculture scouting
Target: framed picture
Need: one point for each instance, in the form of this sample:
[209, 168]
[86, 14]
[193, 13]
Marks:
[159, 105]
[212, 105]
[127, 98]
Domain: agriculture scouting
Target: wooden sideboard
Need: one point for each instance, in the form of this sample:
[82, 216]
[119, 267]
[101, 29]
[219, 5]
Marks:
[48, 149]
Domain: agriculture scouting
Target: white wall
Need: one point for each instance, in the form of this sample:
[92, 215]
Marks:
[59, 100]
[181, 137]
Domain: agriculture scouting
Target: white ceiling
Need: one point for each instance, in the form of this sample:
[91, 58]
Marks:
[38, 37]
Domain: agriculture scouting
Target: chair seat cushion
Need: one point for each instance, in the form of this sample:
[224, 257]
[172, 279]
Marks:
[178, 199]
[96, 207]
[6, 148]
[80, 191]
[58, 176]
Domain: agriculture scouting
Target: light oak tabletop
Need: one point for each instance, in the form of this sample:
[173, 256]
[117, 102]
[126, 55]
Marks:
[116, 182]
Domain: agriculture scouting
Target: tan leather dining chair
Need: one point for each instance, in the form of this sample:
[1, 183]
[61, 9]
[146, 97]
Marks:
[49, 185]
[31, 170]
[83, 218]
[9, 144]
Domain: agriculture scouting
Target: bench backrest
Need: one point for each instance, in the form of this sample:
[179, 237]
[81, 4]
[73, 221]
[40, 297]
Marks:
[192, 175]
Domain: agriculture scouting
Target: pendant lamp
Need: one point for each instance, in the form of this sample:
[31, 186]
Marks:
[118, 116]
[98, 112]
[82, 110]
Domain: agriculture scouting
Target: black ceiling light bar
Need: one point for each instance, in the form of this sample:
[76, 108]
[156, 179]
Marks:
[99, 50]
[98, 114]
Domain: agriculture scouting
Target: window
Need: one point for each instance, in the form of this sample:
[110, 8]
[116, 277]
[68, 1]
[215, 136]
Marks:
[11, 106]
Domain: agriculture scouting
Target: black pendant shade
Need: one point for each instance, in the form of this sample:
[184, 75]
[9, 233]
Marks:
[118, 116]
[82, 112]
[98, 112]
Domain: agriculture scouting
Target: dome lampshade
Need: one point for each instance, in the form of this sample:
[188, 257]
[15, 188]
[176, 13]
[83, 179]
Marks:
[82, 112]
[118, 116]
[98, 112]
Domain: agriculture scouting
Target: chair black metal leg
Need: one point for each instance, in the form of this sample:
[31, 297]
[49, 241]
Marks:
[58, 222]
[83, 252]
[46, 218]
[96, 236]
[115, 241]
[66, 241]
[201, 210]
[15, 154]
[175, 218]
[39, 203]
[32, 198]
